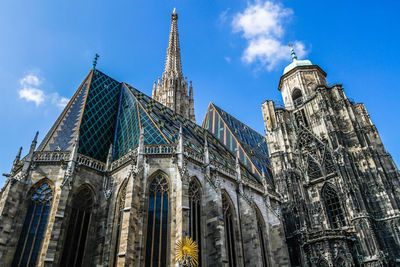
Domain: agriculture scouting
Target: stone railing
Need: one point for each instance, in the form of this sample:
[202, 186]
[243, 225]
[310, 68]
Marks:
[43, 156]
[91, 163]
[223, 169]
[159, 149]
[124, 159]
[191, 153]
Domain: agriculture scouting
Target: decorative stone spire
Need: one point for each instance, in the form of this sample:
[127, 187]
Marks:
[16, 160]
[173, 65]
[172, 90]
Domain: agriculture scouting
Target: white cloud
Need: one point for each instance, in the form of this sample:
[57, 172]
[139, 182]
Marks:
[227, 59]
[58, 100]
[31, 93]
[262, 25]
[223, 16]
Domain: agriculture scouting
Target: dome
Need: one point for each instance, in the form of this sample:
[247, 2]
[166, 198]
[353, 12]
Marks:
[296, 62]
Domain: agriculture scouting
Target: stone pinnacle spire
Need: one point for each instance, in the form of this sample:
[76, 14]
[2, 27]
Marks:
[173, 64]
[173, 90]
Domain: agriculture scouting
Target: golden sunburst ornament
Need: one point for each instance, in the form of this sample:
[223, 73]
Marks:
[186, 252]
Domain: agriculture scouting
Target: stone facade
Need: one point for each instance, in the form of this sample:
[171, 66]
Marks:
[134, 171]
[340, 187]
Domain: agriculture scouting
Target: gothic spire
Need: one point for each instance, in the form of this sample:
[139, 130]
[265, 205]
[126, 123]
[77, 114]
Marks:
[173, 65]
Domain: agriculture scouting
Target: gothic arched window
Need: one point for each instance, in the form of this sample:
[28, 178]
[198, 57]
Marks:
[261, 230]
[297, 97]
[78, 228]
[229, 230]
[34, 226]
[333, 207]
[195, 214]
[157, 223]
[118, 217]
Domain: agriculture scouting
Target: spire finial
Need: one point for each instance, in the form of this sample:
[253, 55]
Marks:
[174, 12]
[294, 57]
[96, 57]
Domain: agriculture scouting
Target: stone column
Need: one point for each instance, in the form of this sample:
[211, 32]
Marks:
[129, 224]
[215, 236]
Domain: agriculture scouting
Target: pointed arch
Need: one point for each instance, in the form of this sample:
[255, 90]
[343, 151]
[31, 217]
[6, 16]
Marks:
[297, 96]
[30, 240]
[195, 211]
[78, 227]
[119, 209]
[261, 228]
[333, 206]
[230, 229]
[313, 168]
[157, 221]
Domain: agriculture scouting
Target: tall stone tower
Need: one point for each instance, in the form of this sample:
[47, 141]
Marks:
[172, 90]
[340, 187]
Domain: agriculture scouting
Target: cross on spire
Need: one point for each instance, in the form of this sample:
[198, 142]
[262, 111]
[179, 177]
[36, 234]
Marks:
[294, 57]
[96, 57]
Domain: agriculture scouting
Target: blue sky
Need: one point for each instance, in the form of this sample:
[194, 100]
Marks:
[233, 51]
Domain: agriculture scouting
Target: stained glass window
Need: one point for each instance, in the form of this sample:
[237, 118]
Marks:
[229, 230]
[78, 227]
[195, 214]
[333, 207]
[157, 223]
[119, 211]
[34, 226]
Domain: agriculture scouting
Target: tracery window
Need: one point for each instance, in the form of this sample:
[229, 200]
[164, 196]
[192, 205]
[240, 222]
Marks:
[119, 212]
[157, 223]
[260, 230]
[333, 207]
[34, 226]
[195, 214]
[313, 169]
[78, 228]
[317, 157]
[229, 230]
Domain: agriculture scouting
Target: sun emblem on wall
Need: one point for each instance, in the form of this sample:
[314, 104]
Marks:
[186, 252]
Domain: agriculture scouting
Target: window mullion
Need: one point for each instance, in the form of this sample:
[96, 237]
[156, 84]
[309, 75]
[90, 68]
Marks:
[27, 233]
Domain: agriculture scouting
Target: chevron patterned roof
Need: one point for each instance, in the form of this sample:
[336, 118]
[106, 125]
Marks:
[239, 138]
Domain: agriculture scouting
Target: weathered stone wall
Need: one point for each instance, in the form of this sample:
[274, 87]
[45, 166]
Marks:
[325, 130]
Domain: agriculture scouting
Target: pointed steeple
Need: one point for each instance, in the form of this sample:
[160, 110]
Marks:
[173, 90]
[173, 64]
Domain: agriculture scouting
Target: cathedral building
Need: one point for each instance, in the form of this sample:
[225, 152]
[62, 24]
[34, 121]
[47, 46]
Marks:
[120, 177]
